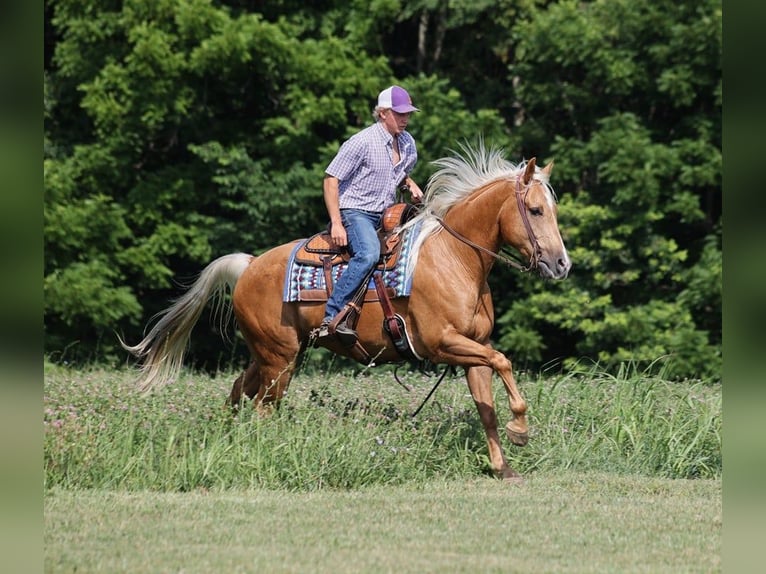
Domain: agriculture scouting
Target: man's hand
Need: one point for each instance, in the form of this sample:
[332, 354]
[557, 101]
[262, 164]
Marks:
[415, 191]
[338, 234]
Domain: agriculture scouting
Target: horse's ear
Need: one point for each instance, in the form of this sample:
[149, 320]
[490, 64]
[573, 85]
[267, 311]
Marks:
[530, 171]
[547, 169]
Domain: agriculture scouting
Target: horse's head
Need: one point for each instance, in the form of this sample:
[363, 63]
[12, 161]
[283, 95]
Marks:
[485, 201]
[529, 222]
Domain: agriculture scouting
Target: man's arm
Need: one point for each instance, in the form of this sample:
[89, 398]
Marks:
[415, 191]
[332, 203]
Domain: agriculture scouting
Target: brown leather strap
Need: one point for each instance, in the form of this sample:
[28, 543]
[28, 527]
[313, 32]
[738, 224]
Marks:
[394, 324]
[351, 311]
[327, 268]
[521, 195]
[350, 314]
[360, 353]
[385, 304]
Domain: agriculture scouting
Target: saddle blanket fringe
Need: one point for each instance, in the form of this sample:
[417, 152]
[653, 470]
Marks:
[305, 282]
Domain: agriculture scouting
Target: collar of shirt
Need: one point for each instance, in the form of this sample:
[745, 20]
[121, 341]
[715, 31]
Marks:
[402, 140]
[384, 133]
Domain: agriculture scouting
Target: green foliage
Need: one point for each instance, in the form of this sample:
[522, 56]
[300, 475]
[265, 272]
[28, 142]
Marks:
[255, 200]
[92, 291]
[629, 272]
[639, 174]
[179, 131]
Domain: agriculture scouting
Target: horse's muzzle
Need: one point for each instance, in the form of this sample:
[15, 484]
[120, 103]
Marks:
[557, 268]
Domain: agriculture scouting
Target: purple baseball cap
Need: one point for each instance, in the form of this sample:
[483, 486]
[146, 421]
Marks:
[397, 99]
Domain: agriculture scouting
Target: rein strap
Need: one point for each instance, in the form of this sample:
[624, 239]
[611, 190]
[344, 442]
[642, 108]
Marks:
[521, 195]
[499, 256]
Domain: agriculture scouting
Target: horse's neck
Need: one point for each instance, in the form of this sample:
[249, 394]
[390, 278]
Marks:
[476, 219]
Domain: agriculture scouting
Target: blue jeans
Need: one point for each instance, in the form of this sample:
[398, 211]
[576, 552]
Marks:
[362, 232]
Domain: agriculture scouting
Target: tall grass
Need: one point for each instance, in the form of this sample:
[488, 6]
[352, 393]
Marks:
[345, 431]
[631, 422]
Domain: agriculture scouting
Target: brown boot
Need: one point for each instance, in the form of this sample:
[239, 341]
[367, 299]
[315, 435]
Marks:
[345, 334]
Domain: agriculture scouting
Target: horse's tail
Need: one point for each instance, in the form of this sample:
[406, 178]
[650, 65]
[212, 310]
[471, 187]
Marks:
[162, 351]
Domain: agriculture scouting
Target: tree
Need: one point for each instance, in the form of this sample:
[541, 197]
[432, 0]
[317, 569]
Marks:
[631, 93]
[176, 131]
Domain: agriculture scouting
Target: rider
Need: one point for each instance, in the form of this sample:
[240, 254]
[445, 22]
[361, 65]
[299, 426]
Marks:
[359, 184]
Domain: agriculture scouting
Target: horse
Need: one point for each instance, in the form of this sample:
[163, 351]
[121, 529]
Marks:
[475, 203]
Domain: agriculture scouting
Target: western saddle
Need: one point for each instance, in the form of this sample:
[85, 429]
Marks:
[319, 251]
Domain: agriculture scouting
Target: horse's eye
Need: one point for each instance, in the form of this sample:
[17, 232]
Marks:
[536, 210]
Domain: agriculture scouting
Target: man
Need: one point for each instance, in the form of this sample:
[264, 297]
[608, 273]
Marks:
[359, 184]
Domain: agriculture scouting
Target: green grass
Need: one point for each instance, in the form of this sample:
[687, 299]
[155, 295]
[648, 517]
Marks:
[623, 474]
[341, 431]
[555, 522]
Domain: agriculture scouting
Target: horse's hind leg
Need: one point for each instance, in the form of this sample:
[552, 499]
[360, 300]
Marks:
[480, 385]
[273, 380]
[246, 384]
[264, 384]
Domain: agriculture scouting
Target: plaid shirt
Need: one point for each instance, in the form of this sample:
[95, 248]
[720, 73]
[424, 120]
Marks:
[364, 166]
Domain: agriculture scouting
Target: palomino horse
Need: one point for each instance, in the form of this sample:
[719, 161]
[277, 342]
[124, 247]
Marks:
[475, 203]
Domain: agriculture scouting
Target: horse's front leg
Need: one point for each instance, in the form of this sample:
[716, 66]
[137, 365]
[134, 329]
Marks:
[480, 385]
[457, 349]
[517, 428]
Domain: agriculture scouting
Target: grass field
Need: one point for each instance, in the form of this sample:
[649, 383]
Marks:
[623, 474]
[555, 522]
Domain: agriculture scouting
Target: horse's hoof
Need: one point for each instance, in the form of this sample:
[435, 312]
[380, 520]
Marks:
[510, 476]
[516, 437]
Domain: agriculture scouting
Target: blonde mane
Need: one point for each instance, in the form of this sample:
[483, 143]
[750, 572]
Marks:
[458, 177]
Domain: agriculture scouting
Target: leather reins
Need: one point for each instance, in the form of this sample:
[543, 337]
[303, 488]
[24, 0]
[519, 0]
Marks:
[521, 195]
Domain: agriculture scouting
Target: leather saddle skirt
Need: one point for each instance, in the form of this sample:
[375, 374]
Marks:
[316, 249]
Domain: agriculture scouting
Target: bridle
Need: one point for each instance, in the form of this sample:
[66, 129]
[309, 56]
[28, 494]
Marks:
[521, 195]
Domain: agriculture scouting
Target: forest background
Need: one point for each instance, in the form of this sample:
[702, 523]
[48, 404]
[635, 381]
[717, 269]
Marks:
[180, 130]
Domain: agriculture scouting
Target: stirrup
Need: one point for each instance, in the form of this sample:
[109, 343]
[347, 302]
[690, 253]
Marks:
[345, 334]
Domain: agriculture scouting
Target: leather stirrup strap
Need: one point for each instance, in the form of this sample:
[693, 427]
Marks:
[360, 353]
[327, 268]
[394, 324]
[350, 314]
[353, 309]
[388, 311]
